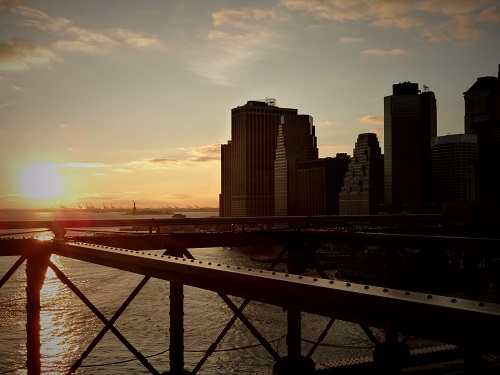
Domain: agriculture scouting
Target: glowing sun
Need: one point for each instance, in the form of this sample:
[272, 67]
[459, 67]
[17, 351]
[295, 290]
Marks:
[40, 180]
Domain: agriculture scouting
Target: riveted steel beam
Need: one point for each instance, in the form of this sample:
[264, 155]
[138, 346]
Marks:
[435, 317]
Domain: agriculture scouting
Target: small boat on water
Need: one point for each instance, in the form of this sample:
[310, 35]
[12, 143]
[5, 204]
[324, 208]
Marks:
[178, 216]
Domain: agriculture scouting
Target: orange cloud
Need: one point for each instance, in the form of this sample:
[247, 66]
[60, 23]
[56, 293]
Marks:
[371, 120]
[20, 54]
[381, 52]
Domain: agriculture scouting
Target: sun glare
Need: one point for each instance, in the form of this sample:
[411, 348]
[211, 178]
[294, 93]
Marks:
[40, 180]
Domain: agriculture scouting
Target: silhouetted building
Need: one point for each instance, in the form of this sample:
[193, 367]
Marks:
[247, 186]
[363, 183]
[452, 163]
[225, 196]
[410, 121]
[296, 142]
[482, 117]
[319, 183]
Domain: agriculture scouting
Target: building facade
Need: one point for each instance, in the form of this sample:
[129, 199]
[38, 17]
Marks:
[363, 184]
[296, 142]
[319, 183]
[453, 158]
[410, 121]
[482, 117]
[247, 165]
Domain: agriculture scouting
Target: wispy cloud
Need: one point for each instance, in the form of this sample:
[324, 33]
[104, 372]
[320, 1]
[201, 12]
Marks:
[454, 21]
[238, 39]
[349, 40]
[19, 54]
[68, 36]
[200, 155]
[84, 165]
[7, 104]
[381, 52]
[326, 123]
[371, 120]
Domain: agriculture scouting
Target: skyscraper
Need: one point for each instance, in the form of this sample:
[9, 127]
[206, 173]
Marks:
[363, 183]
[247, 186]
[452, 157]
[296, 142]
[319, 183]
[482, 117]
[410, 121]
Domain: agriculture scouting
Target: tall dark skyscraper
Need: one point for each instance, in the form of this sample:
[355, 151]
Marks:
[410, 121]
[319, 183]
[482, 117]
[296, 142]
[363, 183]
[452, 158]
[247, 166]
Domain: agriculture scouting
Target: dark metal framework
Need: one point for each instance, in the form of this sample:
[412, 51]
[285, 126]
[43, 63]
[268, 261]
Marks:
[395, 311]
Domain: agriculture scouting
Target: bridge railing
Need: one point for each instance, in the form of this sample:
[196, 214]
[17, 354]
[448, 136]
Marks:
[449, 320]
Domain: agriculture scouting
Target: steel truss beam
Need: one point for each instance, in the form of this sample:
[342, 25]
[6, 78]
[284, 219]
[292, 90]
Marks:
[444, 319]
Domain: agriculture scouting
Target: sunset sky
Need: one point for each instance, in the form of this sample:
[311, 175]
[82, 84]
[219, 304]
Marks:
[116, 100]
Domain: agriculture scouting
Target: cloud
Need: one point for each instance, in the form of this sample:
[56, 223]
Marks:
[381, 52]
[460, 30]
[84, 165]
[347, 40]
[238, 39]
[70, 37]
[205, 154]
[243, 18]
[490, 15]
[371, 120]
[436, 21]
[400, 22]
[19, 54]
[200, 155]
[7, 104]
[326, 123]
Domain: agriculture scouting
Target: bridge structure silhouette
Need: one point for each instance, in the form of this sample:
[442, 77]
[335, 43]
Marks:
[465, 330]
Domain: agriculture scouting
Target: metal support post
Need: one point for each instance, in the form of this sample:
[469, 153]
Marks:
[36, 268]
[176, 328]
[294, 362]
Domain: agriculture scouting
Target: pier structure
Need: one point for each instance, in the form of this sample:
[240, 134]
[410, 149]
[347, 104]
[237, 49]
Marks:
[465, 329]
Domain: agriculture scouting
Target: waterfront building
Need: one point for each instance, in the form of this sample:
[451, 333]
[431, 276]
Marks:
[482, 117]
[247, 166]
[225, 173]
[296, 142]
[452, 162]
[361, 193]
[319, 184]
[410, 121]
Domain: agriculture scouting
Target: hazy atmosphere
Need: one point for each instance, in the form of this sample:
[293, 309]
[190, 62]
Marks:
[115, 101]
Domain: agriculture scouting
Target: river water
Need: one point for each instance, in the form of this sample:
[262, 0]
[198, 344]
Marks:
[68, 326]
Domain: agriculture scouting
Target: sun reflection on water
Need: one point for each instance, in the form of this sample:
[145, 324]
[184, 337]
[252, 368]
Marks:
[56, 322]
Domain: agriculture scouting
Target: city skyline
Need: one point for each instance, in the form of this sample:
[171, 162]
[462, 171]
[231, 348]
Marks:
[116, 103]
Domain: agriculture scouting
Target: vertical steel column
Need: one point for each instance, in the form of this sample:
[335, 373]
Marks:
[293, 338]
[36, 268]
[176, 328]
[294, 362]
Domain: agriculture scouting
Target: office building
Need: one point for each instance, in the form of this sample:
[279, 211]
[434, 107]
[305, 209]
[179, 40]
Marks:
[482, 117]
[247, 167]
[296, 142]
[410, 121]
[319, 184]
[452, 162]
[363, 184]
